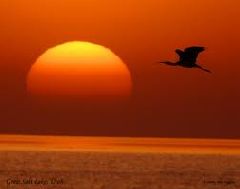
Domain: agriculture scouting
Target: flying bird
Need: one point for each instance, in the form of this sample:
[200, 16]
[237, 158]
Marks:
[188, 58]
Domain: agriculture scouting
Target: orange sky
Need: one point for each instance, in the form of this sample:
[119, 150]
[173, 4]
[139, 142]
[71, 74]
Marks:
[166, 101]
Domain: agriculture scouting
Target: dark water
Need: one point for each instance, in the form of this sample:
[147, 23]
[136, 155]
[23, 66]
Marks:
[118, 170]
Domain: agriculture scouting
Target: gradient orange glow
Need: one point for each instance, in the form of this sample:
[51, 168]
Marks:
[119, 144]
[79, 68]
[165, 101]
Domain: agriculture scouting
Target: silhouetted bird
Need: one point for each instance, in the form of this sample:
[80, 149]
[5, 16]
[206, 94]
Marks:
[188, 58]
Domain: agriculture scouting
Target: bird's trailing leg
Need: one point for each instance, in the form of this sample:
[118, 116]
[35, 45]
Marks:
[204, 69]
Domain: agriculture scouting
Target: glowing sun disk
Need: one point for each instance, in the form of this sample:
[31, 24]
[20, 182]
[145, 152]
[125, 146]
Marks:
[79, 68]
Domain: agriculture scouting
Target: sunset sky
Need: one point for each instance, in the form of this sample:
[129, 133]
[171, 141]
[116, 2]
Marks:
[165, 101]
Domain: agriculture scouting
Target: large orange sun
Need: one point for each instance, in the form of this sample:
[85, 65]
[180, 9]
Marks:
[79, 69]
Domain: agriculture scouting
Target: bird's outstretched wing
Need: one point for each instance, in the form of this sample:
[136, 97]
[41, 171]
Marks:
[193, 51]
[181, 54]
[189, 56]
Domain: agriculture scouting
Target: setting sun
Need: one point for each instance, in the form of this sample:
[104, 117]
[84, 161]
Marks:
[79, 69]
